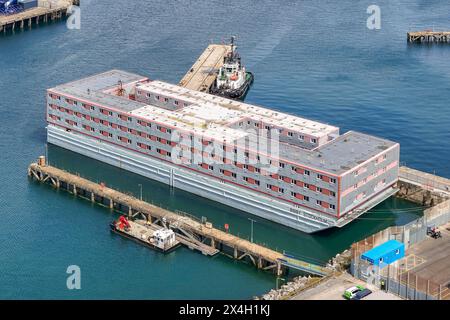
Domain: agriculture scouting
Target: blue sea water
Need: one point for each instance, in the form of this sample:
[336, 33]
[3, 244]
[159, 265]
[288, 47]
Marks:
[316, 59]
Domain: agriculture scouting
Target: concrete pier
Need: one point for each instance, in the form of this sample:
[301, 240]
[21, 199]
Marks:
[44, 13]
[428, 36]
[187, 226]
[203, 73]
[422, 188]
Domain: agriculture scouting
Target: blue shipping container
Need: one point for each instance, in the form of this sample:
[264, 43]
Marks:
[385, 254]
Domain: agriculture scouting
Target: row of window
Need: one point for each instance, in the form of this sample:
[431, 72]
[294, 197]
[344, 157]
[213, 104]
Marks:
[168, 130]
[161, 99]
[280, 130]
[373, 175]
[364, 169]
[241, 166]
[251, 180]
[271, 187]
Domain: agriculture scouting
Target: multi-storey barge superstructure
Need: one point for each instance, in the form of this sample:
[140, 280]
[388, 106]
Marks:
[296, 172]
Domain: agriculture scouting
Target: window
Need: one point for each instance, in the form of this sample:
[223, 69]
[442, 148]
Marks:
[332, 206]
[333, 180]
[233, 175]
[306, 185]
[306, 198]
[282, 165]
[293, 194]
[281, 190]
[319, 176]
[318, 202]
[176, 102]
[301, 137]
[319, 189]
[307, 173]
[290, 134]
[314, 140]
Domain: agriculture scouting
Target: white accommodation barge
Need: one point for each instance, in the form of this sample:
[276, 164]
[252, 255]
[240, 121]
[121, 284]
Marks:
[290, 170]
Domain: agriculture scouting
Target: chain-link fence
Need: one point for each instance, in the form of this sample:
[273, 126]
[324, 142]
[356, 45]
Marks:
[400, 278]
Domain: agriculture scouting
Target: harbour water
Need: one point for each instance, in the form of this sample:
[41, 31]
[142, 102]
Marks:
[316, 59]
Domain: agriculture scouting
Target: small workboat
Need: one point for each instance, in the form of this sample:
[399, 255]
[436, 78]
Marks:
[155, 237]
[232, 81]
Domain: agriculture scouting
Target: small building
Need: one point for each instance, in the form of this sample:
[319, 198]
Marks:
[165, 239]
[385, 254]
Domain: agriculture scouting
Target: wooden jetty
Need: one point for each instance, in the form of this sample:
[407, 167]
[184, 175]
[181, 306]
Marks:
[204, 71]
[429, 36]
[187, 227]
[44, 13]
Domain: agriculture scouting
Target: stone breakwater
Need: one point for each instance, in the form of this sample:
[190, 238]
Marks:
[292, 287]
[339, 263]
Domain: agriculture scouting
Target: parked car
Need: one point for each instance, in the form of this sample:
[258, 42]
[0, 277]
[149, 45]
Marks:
[351, 292]
[361, 294]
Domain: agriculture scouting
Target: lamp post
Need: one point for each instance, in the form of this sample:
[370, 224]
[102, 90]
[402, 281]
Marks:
[251, 230]
[140, 194]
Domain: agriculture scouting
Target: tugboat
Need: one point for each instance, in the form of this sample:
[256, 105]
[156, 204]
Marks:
[232, 81]
[161, 239]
